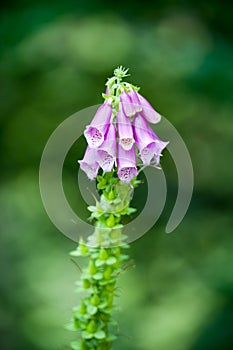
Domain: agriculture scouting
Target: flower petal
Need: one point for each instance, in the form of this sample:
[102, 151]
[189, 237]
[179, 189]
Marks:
[159, 146]
[95, 132]
[127, 104]
[144, 138]
[148, 143]
[126, 161]
[135, 100]
[89, 164]
[125, 131]
[106, 154]
[148, 111]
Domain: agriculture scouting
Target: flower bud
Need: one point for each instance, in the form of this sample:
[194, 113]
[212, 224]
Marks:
[92, 327]
[110, 222]
[95, 300]
[92, 268]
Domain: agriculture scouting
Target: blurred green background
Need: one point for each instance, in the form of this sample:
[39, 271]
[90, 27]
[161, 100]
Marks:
[55, 58]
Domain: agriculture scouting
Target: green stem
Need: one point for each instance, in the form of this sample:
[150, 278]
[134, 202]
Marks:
[104, 250]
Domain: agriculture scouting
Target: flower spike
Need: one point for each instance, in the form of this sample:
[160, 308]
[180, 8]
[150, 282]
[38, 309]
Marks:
[118, 131]
[124, 113]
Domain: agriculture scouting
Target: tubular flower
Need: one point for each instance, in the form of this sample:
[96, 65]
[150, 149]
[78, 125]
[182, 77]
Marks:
[125, 132]
[126, 162]
[95, 132]
[127, 104]
[135, 100]
[148, 111]
[159, 146]
[147, 141]
[89, 164]
[106, 153]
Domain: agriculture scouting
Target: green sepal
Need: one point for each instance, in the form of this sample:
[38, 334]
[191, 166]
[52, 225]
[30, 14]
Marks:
[92, 327]
[87, 335]
[102, 305]
[92, 208]
[103, 254]
[91, 309]
[95, 300]
[101, 186]
[99, 262]
[98, 276]
[100, 334]
[112, 260]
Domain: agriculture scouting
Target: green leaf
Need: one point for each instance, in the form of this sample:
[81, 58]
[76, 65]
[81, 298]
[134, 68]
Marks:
[118, 226]
[98, 276]
[75, 253]
[95, 215]
[103, 305]
[104, 283]
[91, 208]
[95, 300]
[92, 268]
[100, 178]
[100, 334]
[101, 186]
[112, 260]
[103, 254]
[131, 210]
[86, 283]
[111, 81]
[107, 273]
[99, 262]
[86, 335]
[110, 222]
[108, 310]
[91, 309]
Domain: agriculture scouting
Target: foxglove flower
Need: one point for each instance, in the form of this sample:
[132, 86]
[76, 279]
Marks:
[135, 100]
[89, 164]
[159, 146]
[147, 141]
[95, 132]
[106, 153]
[126, 162]
[127, 104]
[125, 132]
[148, 111]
